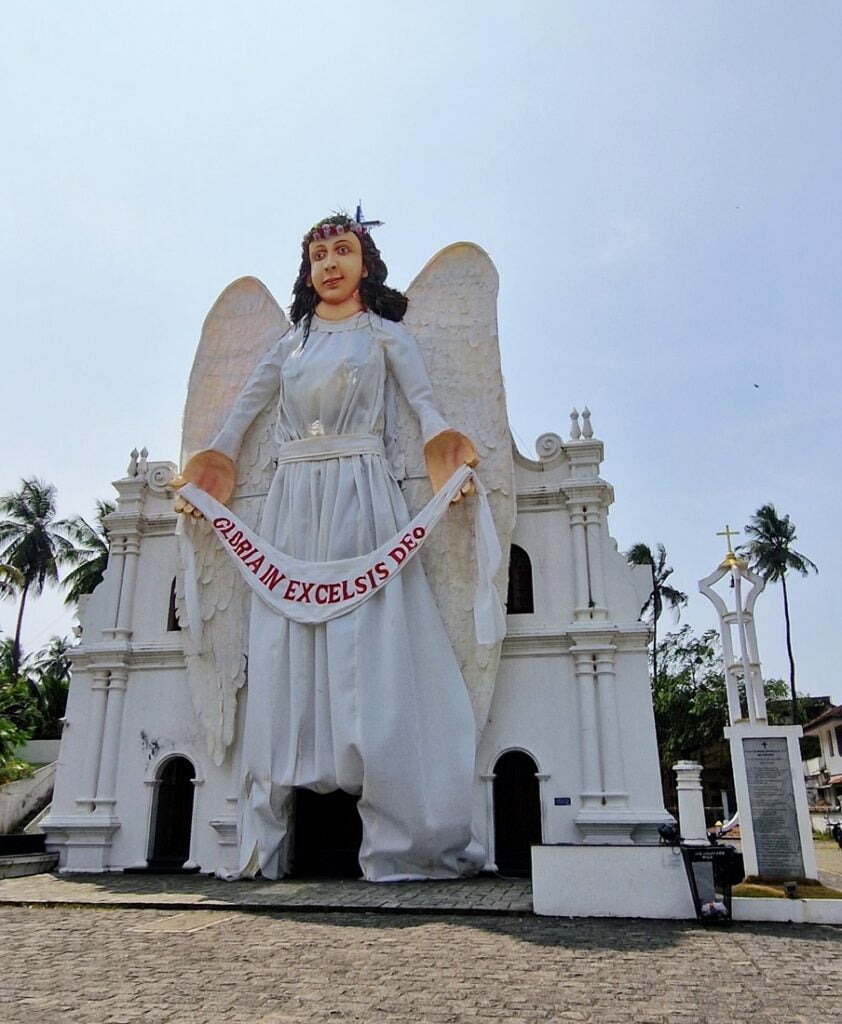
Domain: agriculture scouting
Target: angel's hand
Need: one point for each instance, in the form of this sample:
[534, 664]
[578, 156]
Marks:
[444, 454]
[210, 470]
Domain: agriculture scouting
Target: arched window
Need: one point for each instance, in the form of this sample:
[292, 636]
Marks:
[172, 614]
[172, 815]
[517, 812]
[519, 599]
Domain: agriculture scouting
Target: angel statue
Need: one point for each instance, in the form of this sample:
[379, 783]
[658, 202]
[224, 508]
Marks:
[317, 462]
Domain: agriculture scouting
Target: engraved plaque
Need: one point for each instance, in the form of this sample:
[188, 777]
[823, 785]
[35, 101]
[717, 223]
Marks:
[776, 838]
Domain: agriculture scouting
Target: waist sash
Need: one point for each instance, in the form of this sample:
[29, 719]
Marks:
[315, 449]
[313, 592]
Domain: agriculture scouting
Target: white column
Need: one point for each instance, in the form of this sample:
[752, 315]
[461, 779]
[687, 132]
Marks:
[490, 845]
[611, 740]
[691, 804]
[123, 629]
[588, 727]
[580, 562]
[93, 745]
[106, 783]
[116, 564]
[732, 690]
[593, 534]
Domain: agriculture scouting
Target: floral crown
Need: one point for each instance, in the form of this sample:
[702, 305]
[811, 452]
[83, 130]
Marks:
[332, 226]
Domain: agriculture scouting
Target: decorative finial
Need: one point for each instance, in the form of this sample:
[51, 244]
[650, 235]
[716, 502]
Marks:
[587, 429]
[132, 468]
[575, 429]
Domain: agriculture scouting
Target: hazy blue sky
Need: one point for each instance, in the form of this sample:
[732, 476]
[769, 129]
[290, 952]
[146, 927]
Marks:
[658, 183]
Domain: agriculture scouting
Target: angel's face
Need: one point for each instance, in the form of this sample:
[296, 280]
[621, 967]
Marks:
[336, 268]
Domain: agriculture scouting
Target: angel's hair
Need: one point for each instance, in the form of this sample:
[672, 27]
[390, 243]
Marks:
[374, 292]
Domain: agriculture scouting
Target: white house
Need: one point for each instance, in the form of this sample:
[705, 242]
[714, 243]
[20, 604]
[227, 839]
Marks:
[823, 774]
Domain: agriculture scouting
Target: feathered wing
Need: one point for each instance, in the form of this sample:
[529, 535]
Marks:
[453, 315]
[242, 325]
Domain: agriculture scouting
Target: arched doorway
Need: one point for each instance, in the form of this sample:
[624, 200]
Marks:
[326, 837]
[517, 812]
[172, 816]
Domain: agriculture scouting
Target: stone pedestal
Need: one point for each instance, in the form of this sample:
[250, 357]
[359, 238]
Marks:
[611, 881]
[691, 804]
[775, 828]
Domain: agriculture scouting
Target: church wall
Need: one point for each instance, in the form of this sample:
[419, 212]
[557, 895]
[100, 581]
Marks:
[130, 706]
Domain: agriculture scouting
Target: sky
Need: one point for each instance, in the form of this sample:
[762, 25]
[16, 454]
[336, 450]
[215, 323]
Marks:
[658, 184]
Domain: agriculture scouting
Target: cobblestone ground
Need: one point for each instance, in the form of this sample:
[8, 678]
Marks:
[110, 965]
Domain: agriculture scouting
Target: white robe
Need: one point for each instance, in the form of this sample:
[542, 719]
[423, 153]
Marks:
[371, 702]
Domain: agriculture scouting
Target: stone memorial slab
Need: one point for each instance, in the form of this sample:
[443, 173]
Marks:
[773, 811]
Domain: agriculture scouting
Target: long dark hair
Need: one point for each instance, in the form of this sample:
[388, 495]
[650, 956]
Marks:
[375, 294]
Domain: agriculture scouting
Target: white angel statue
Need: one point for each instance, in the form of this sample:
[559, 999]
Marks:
[304, 430]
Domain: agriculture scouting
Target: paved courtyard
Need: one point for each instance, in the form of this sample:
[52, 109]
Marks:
[110, 965]
[120, 949]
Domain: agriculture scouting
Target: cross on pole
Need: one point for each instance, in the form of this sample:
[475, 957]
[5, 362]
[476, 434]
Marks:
[729, 533]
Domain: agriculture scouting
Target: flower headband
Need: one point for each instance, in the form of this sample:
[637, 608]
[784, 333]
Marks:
[330, 229]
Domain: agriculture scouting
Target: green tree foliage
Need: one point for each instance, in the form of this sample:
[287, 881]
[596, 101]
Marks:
[91, 551]
[771, 554]
[16, 716]
[49, 683]
[11, 580]
[33, 542]
[689, 695]
[663, 594]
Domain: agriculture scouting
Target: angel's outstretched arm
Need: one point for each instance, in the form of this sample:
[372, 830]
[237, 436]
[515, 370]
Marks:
[445, 450]
[261, 387]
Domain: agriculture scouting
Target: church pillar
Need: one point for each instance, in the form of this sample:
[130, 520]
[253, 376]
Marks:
[126, 525]
[93, 746]
[611, 740]
[588, 729]
[580, 562]
[490, 843]
[123, 629]
[106, 784]
[593, 536]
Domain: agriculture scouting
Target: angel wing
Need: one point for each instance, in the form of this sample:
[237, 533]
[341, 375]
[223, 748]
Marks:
[242, 324]
[453, 315]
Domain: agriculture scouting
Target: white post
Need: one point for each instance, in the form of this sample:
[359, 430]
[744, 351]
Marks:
[691, 803]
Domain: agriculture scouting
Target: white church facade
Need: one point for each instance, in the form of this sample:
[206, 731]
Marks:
[568, 756]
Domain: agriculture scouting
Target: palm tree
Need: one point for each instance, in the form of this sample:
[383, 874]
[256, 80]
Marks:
[33, 542]
[92, 552]
[771, 555]
[11, 580]
[662, 593]
[49, 683]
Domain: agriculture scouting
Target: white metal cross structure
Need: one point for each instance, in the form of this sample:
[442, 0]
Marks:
[743, 666]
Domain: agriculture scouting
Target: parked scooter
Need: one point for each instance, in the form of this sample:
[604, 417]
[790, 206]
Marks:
[836, 832]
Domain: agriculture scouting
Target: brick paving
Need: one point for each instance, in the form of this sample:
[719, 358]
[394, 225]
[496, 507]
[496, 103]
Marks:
[112, 965]
[829, 862]
[484, 895]
[189, 949]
